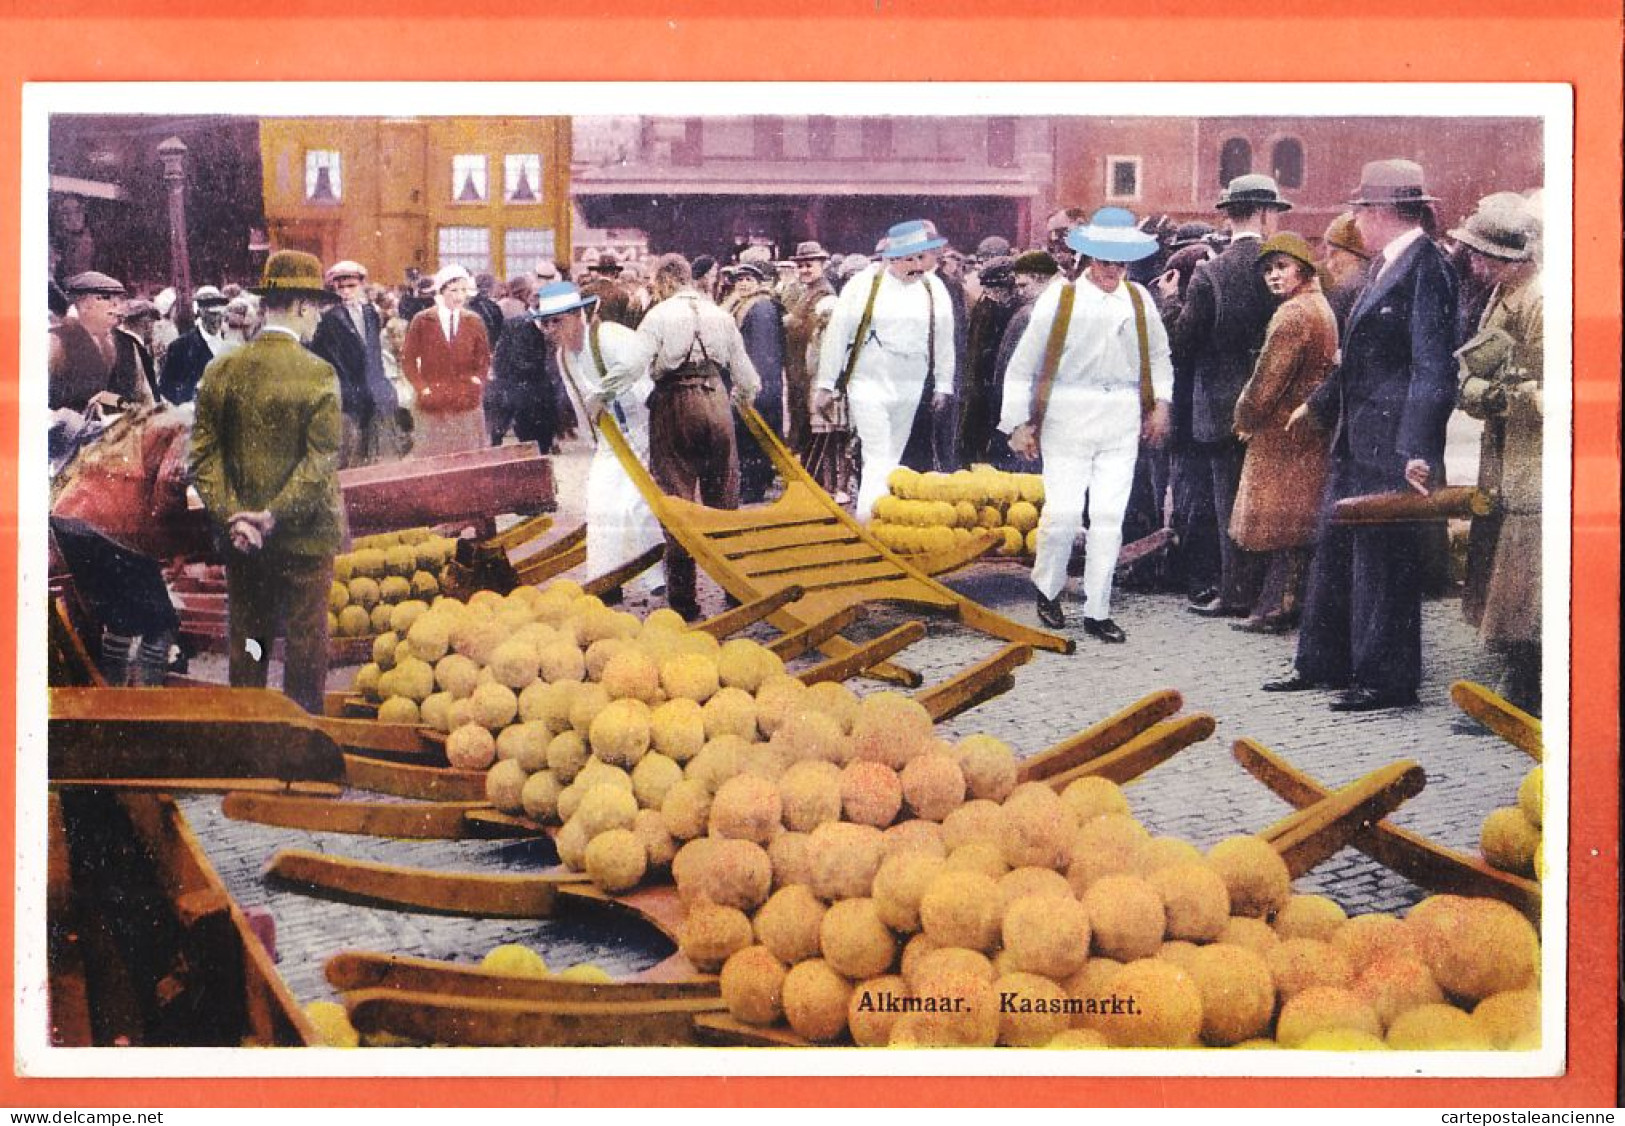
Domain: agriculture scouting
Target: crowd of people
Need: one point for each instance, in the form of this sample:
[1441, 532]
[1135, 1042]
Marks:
[1229, 382]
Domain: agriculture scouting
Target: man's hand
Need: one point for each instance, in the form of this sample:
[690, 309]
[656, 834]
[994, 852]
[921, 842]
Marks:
[743, 395]
[595, 404]
[822, 401]
[940, 401]
[1301, 420]
[249, 530]
[1157, 424]
[1024, 442]
[1418, 473]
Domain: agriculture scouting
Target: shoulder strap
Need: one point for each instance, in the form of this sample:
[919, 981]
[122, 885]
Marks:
[1052, 358]
[1148, 397]
[930, 333]
[862, 334]
[597, 350]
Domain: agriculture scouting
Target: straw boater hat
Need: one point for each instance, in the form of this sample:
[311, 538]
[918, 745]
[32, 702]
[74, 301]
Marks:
[1384, 183]
[1503, 228]
[1252, 190]
[1111, 236]
[913, 237]
[207, 296]
[294, 273]
[559, 298]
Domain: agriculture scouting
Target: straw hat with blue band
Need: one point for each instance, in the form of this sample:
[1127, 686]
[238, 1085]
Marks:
[558, 299]
[913, 237]
[1111, 235]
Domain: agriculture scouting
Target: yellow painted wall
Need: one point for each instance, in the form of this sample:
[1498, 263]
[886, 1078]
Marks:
[396, 181]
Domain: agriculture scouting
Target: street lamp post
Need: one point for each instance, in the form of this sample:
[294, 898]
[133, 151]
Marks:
[173, 154]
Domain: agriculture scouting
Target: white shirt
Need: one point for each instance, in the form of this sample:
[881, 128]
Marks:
[665, 339]
[1101, 352]
[1396, 247]
[581, 377]
[448, 319]
[899, 332]
[217, 344]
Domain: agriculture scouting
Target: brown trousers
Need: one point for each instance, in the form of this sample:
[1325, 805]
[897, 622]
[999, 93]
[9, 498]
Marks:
[280, 594]
[692, 456]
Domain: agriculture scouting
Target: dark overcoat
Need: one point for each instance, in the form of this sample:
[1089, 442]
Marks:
[1219, 332]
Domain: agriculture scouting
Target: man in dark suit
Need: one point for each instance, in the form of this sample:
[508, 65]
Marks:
[525, 385]
[189, 355]
[1389, 402]
[349, 336]
[1220, 329]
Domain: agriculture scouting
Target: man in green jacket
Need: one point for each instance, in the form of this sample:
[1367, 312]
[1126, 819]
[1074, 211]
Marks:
[265, 449]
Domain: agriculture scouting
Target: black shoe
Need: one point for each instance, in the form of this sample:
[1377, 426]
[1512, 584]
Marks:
[1294, 682]
[1105, 629]
[1202, 597]
[1216, 608]
[614, 596]
[1269, 623]
[688, 611]
[1049, 610]
[1370, 700]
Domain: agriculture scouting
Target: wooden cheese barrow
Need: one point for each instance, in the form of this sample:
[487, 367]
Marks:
[108, 736]
[1412, 855]
[1507, 720]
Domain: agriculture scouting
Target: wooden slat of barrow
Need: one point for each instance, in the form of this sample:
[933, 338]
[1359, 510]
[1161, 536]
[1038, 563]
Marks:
[415, 889]
[1413, 856]
[1151, 747]
[520, 534]
[205, 786]
[359, 969]
[430, 466]
[475, 1022]
[865, 656]
[758, 540]
[632, 568]
[1507, 720]
[833, 558]
[1329, 824]
[794, 644]
[1111, 732]
[406, 820]
[973, 685]
[723, 1031]
[534, 572]
[845, 576]
[732, 621]
[403, 780]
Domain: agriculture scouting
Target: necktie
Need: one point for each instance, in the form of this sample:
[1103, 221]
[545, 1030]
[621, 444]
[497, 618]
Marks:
[454, 326]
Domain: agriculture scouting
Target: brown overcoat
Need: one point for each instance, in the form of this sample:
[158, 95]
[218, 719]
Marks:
[1282, 477]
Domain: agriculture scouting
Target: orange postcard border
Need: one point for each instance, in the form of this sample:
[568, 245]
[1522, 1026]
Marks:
[1577, 42]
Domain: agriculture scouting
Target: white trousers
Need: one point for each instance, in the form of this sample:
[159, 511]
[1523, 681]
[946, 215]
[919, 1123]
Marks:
[882, 413]
[620, 524]
[1090, 443]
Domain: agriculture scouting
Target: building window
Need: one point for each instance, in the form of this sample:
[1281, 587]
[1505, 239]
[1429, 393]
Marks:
[1122, 177]
[1286, 161]
[1001, 142]
[821, 137]
[876, 138]
[522, 177]
[523, 247]
[1235, 159]
[324, 182]
[468, 179]
[769, 136]
[468, 247]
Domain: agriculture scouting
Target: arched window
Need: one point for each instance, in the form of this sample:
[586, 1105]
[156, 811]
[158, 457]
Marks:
[1235, 159]
[1286, 162]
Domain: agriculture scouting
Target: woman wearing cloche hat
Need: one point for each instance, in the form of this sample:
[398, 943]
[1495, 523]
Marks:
[1283, 473]
[447, 359]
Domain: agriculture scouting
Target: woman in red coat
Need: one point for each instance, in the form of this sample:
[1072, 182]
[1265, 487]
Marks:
[1283, 474]
[447, 359]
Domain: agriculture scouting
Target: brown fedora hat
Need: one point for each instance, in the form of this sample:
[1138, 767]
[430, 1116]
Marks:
[295, 273]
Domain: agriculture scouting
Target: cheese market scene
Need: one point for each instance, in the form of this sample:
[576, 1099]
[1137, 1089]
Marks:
[1064, 582]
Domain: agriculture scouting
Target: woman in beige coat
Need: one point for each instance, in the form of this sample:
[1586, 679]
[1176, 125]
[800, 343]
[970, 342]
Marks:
[1283, 474]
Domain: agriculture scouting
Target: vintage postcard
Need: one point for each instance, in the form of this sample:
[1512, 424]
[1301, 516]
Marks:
[963, 568]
